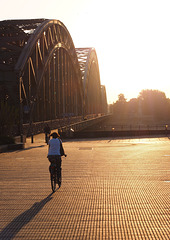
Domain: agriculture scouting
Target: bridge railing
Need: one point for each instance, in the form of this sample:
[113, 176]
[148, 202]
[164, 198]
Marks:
[124, 127]
[64, 125]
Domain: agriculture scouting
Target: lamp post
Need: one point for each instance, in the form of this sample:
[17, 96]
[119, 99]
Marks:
[113, 132]
[166, 129]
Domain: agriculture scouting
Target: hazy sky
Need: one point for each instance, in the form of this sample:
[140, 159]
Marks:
[131, 37]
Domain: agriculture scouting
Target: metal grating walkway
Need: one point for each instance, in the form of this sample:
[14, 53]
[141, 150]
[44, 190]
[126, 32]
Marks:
[112, 189]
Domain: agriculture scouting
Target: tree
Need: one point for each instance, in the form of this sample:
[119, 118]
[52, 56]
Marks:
[153, 102]
[121, 98]
[150, 104]
[120, 107]
[133, 106]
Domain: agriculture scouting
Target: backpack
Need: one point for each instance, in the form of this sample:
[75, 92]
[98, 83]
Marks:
[61, 149]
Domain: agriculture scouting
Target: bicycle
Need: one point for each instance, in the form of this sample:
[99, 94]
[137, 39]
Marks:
[55, 173]
[53, 176]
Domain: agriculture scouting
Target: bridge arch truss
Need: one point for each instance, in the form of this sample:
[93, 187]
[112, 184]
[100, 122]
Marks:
[48, 69]
[42, 72]
[89, 67]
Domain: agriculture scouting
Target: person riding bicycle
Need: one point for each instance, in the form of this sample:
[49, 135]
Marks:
[55, 152]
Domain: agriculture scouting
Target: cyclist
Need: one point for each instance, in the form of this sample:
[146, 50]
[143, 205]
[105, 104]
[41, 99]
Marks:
[55, 152]
[47, 131]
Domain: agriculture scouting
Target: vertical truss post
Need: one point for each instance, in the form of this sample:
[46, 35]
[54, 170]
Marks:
[63, 82]
[49, 93]
[54, 85]
[71, 90]
[66, 82]
[44, 102]
[58, 82]
[20, 110]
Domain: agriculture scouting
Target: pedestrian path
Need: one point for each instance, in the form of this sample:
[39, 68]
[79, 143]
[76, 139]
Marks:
[111, 189]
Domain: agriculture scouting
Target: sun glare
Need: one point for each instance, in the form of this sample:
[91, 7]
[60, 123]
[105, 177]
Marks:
[133, 51]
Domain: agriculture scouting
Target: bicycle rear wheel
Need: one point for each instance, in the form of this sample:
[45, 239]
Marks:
[53, 182]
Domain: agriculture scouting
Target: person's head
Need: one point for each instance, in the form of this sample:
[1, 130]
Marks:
[55, 135]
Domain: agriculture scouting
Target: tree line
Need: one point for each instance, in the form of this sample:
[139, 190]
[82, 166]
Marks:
[151, 104]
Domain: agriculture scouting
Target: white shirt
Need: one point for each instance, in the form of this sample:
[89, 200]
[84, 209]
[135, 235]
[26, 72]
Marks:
[54, 146]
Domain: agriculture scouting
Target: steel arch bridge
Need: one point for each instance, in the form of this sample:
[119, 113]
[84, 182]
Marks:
[88, 62]
[43, 73]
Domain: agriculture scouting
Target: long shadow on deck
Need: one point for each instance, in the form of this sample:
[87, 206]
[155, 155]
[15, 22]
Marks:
[10, 231]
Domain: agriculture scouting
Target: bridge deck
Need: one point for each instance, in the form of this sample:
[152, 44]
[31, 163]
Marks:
[111, 189]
